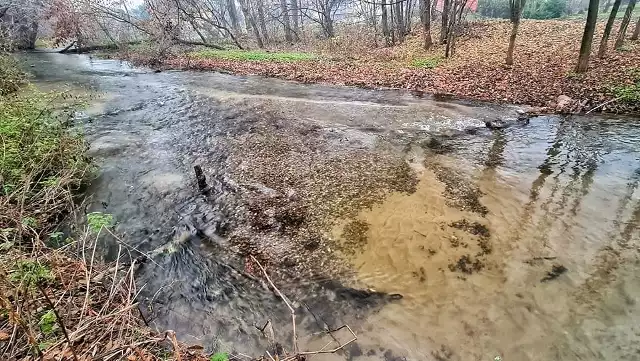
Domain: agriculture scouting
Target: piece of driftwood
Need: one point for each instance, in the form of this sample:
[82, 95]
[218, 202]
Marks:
[202, 180]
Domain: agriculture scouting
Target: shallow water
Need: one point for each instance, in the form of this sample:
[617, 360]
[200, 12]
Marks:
[338, 190]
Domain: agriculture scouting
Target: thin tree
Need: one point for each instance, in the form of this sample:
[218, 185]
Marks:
[636, 33]
[446, 7]
[287, 24]
[515, 7]
[608, 27]
[385, 24]
[233, 15]
[295, 16]
[399, 20]
[263, 22]
[625, 23]
[426, 23]
[251, 22]
[587, 37]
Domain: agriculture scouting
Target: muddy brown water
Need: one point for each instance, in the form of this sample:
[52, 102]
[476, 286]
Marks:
[519, 243]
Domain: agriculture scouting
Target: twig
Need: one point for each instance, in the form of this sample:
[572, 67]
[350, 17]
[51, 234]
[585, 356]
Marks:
[603, 104]
[284, 298]
[327, 351]
[174, 342]
[268, 354]
[325, 327]
[59, 319]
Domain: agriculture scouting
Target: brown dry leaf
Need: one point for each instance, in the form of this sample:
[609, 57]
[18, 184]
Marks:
[4, 336]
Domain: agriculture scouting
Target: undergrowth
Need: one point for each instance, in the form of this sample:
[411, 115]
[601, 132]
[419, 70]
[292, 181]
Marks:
[629, 93]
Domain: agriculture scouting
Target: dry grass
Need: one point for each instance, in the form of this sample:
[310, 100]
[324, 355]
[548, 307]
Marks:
[64, 303]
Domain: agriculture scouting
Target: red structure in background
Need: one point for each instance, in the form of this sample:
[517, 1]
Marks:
[471, 5]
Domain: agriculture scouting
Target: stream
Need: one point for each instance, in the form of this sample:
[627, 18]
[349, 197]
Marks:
[430, 235]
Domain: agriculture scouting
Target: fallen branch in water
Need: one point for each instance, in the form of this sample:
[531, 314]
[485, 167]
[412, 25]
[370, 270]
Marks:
[296, 353]
[286, 301]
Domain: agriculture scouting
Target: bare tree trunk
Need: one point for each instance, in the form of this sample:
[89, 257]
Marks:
[625, 23]
[327, 24]
[252, 22]
[451, 32]
[399, 20]
[426, 23]
[261, 19]
[446, 7]
[607, 30]
[408, 8]
[287, 24]
[636, 33]
[516, 14]
[385, 23]
[587, 37]
[294, 14]
[512, 42]
[233, 15]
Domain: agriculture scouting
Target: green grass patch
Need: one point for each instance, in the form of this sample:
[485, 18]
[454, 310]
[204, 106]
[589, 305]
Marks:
[629, 93]
[252, 55]
[427, 63]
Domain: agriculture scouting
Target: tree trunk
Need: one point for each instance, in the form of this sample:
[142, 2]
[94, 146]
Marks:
[451, 32]
[261, 19]
[636, 33]
[252, 22]
[385, 23]
[625, 23]
[587, 37]
[445, 21]
[233, 15]
[294, 14]
[512, 42]
[426, 23]
[399, 21]
[516, 8]
[407, 16]
[608, 27]
[287, 24]
[327, 24]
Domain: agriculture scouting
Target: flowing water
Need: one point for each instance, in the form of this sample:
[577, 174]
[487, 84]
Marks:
[432, 236]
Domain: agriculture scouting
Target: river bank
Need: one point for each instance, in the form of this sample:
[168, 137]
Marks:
[542, 76]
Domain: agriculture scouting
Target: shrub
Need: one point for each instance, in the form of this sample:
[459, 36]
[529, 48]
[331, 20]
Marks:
[11, 76]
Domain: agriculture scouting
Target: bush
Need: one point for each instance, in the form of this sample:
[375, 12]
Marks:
[36, 142]
[11, 77]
